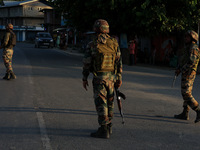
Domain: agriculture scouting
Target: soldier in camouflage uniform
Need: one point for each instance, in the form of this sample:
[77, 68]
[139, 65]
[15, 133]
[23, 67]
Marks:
[106, 75]
[188, 66]
[8, 53]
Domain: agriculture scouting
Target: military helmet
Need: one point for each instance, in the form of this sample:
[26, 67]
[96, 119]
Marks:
[101, 26]
[193, 34]
[9, 26]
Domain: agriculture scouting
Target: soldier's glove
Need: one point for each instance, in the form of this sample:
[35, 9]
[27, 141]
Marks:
[177, 72]
[118, 83]
[85, 84]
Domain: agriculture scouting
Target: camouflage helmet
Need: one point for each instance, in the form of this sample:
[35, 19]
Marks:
[9, 26]
[101, 26]
[193, 34]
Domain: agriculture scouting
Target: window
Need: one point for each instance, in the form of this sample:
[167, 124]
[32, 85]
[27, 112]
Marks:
[30, 8]
[13, 21]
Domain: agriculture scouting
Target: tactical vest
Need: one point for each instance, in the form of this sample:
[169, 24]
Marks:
[12, 40]
[104, 60]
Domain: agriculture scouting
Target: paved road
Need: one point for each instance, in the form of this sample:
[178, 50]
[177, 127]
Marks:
[46, 108]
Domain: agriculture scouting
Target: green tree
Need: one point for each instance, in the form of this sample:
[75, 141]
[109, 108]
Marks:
[144, 17]
[157, 16]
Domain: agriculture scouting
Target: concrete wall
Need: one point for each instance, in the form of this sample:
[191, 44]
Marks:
[33, 22]
[16, 11]
[4, 12]
[32, 9]
[23, 15]
[27, 19]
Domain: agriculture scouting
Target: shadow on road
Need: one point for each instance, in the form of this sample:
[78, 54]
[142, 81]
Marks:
[159, 118]
[51, 131]
[88, 112]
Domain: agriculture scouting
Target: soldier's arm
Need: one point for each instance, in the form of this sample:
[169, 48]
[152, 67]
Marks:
[6, 39]
[119, 65]
[194, 56]
[87, 62]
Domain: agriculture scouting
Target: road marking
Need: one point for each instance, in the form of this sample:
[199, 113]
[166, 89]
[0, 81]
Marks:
[43, 132]
[44, 137]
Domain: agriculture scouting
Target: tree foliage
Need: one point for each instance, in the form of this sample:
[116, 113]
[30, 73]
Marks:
[147, 17]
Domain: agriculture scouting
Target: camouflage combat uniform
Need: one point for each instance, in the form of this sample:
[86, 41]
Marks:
[7, 52]
[7, 43]
[188, 64]
[103, 82]
[103, 59]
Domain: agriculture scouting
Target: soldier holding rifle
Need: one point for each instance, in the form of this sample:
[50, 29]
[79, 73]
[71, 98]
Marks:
[103, 59]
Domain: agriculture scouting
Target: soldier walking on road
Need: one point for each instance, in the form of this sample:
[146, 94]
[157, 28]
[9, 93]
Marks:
[188, 66]
[103, 59]
[8, 42]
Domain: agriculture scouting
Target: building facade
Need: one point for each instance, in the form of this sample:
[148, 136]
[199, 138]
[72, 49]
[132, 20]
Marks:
[26, 17]
[52, 19]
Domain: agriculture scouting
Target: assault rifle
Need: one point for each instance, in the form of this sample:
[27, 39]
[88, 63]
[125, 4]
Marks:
[174, 80]
[120, 95]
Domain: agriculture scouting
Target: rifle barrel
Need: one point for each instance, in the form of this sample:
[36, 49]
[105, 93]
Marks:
[174, 80]
[119, 103]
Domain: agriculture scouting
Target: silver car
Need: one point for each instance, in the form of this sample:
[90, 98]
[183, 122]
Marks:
[43, 39]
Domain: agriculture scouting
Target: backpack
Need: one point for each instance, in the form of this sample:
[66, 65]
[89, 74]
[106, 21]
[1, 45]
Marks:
[13, 40]
[104, 60]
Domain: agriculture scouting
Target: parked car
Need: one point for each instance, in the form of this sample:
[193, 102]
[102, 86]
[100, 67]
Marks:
[43, 39]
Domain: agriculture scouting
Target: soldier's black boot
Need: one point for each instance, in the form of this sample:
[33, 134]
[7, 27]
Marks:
[102, 132]
[12, 75]
[7, 76]
[110, 128]
[198, 114]
[184, 115]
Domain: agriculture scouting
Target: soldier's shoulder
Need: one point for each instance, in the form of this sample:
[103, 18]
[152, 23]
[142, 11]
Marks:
[11, 32]
[7, 33]
[195, 49]
[114, 40]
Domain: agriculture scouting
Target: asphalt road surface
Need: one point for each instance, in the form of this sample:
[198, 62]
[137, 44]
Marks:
[46, 107]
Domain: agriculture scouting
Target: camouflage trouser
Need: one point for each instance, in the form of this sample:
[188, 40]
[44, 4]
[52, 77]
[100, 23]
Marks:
[187, 81]
[7, 58]
[104, 100]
